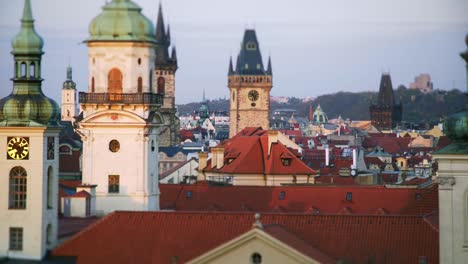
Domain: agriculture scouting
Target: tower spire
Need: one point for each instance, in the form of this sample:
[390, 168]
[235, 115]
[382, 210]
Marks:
[160, 31]
[269, 69]
[174, 55]
[231, 69]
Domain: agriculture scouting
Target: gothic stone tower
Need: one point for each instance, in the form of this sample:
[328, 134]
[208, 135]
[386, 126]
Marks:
[385, 115]
[29, 129]
[249, 87]
[164, 81]
[69, 108]
[120, 113]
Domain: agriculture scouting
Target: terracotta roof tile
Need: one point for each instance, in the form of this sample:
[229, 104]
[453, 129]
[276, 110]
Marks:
[158, 237]
[299, 199]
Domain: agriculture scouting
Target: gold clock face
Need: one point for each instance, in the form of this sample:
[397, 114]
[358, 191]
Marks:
[253, 95]
[17, 148]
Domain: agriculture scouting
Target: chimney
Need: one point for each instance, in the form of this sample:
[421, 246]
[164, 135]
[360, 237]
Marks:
[219, 156]
[272, 138]
[354, 159]
[214, 157]
[202, 160]
[327, 156]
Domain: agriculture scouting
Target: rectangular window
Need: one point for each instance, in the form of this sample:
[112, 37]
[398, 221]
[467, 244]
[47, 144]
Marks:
[16, 238]
[50, 148]
[286, 162]
[114, 183]
[349, 196]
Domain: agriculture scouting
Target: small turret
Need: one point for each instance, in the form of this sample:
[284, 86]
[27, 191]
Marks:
[269, 70]
[231, 69]
[69, 83]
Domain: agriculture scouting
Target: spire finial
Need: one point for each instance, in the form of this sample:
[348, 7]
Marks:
[160, 30]
[269, 69]
[231, 69]
[27, 13]
[257, 223]
[204, 99]
[69, 73]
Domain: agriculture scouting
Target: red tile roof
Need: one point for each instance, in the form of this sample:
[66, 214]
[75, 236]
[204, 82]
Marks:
[248, 153]
[298, 199]
[68, 226]
[161, 237]
[81, 194]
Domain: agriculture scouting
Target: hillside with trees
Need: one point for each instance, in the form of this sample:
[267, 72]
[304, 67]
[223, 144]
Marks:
[418, 107]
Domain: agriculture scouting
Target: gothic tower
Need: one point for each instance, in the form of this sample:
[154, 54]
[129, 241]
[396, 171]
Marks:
[249, 87]
[386, 114]
[120, 117]
[29, 130]
[69, 106]
[164, 81]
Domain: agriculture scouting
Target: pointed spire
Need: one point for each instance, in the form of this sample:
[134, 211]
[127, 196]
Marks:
[204, 99]
[269, 69]
[238, 64]
[27, 13]
[231, 69]
[168, 35]
[160, 32]
[174, 54]
[69, 72]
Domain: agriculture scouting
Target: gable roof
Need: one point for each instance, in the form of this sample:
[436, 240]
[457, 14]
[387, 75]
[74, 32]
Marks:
[250, 152]
[160, 237]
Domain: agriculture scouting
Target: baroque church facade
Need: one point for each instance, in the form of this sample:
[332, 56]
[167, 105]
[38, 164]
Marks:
[121, 118]
[249, 87]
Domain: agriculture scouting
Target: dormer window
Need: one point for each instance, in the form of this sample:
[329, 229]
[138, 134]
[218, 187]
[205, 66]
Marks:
[282, 195]
[349, 196]
[251, 46]
[286, 162]
[188, 194]
[230, 160]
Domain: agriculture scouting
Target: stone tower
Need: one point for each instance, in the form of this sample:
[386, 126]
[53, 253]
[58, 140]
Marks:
[69, 105]
[386, 114]
[249, 87]
[164, 81]
[120, 116]
[29, 130]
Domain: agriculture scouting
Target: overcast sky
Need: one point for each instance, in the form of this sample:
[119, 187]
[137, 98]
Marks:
[317, 47]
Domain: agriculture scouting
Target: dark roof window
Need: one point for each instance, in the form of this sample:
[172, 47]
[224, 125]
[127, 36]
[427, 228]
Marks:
[188, 194]
[349, 196]
[282, 195]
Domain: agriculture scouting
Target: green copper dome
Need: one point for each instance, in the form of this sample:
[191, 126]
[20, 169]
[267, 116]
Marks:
[319, 116]
[27, 40]
[29, 110]
[121, 20]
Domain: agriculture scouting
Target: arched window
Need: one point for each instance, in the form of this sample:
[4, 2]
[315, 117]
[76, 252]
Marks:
[32, 70]
[140, 85]
[18, 188]
[161, 85]
[23, 70]
[114, 81]
[256, 258]
[92, 84]
[50, 187]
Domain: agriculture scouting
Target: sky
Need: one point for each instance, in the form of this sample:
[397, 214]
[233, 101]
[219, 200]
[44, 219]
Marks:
[316, 47]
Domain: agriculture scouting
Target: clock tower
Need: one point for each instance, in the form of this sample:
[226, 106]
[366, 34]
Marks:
[120, 118]
[249, 87]
[29, 129]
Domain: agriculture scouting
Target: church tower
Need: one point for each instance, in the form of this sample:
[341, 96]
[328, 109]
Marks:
[386, 114]
[69, 108]
[249, 87]
[120, 116]
[29, 130]
[164, 81]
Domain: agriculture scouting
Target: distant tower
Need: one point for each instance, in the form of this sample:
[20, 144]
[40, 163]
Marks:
[120, 119]
[385, 115]
[69, 106]
[29, 130]
[203, 112]
[249, 87]
[164, 81]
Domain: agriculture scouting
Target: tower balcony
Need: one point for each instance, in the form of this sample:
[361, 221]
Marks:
[121, 98]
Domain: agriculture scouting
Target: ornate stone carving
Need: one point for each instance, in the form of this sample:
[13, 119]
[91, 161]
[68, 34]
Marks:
[446, 183]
